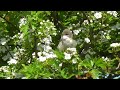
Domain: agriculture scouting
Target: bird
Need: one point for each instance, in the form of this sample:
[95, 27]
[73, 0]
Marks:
[66, 40]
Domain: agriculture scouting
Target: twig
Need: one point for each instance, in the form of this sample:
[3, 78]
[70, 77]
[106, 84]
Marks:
[118, 67]
[9, 23]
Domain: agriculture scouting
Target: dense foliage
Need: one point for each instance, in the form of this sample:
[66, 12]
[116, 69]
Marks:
[29, 39]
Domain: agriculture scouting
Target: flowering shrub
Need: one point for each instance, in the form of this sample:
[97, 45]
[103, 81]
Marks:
[29, 39]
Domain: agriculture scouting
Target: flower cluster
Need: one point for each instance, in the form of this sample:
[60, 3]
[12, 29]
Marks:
[48, 27]
[115, 45]
[4, 68]
[114, 13]
[87, 40]
[76, 32]
[86, 22]
[105, 58]
[98, 15]
[69, 53]
[22, 21]
[45, 55]
[47, 50]
[12, 61]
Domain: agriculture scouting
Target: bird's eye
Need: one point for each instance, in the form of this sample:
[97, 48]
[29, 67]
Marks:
[66, 34]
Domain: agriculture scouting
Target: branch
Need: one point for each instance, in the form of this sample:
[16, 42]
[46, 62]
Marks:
[10, 23]
[118, 67]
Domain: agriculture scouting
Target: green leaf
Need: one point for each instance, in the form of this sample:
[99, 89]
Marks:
[95, 73]
[87, 64]
[100, 63]
[62, 72]
[24, 28]
[59, 54]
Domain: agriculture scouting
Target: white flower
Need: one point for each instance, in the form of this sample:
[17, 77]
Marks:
[21, 50]
[16, 54]
[3, 41]
[94, 36]
[21, 36]
[7, 77]
[103, 25]
[39, 44]
[74, 61]
[105, 33]
[73, 24]
[86, 22]
[98, 15]
[14, 37]
[87, 40]
[91, 20]
[106, 75]
[12, 61]
[49, 55]
[47, 48]
[45, 53]
[48, 21]
[42, 59]
[118, 32]
[105, 59]
[39, 33]
[47, 40]
[29, 61]
[23, 78]
[22, 21]
[115, 45]
[41, 23]
[72, 50]
[114, 13]
[67, 56]
[39, 53]
[4, 68]
[60, 65]
[76, 32]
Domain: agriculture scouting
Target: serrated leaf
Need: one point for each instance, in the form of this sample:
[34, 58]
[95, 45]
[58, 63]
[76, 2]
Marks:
[95, 73]
[92, 63]
[24, 29]
[87, 64]
[100, 63]
[63, 73]
[60, 55]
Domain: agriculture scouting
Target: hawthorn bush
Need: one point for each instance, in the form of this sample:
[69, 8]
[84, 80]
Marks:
[29, 39]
